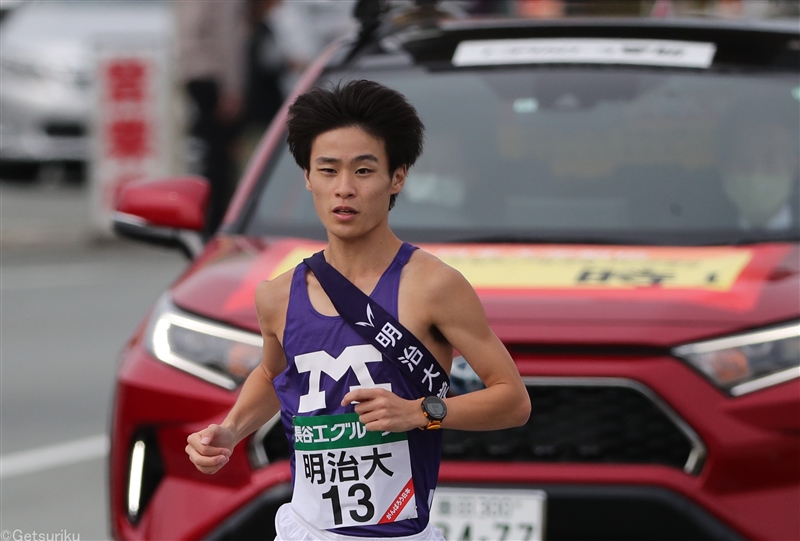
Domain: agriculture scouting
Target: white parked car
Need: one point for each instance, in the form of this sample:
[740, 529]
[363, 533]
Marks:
[46, 69]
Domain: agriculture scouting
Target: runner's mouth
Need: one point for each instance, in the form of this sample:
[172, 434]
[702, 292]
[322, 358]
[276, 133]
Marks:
[344, 210]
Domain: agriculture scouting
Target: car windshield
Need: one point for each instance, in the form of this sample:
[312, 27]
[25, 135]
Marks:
[581, 154]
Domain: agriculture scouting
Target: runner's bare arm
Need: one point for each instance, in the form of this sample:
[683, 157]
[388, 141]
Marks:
[445, 300]
[257, 402]
[458, 314]
[211, 448]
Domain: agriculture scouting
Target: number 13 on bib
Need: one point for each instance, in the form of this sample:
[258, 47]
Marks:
[347, 476]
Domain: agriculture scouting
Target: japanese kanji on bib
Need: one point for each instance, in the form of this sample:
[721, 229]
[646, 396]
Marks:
[348, 480]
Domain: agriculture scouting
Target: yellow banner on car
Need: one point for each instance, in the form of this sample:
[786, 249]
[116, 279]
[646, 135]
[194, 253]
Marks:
[293, 258]
[563, 268]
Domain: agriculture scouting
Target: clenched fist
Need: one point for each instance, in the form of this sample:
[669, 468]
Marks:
[211, 448]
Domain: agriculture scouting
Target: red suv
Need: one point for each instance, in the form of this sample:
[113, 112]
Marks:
[623, 195]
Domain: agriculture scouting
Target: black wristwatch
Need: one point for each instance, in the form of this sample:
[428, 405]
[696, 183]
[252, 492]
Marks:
[435, 411]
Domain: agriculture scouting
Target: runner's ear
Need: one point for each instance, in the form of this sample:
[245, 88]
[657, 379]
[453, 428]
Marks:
[399, 179]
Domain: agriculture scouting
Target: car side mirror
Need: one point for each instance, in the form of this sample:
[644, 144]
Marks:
[168, 212]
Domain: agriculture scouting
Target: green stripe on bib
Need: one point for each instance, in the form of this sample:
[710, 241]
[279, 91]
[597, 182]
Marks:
[314, 433]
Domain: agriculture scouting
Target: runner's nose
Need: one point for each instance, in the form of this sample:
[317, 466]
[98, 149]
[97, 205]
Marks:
[345, 185]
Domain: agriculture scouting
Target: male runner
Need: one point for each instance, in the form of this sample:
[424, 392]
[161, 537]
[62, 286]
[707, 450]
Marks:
[360, 465]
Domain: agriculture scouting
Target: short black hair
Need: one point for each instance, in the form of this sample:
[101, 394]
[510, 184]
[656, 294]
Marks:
[380, 111]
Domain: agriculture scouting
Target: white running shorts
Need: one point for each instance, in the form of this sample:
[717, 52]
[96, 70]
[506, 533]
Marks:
[291, 527]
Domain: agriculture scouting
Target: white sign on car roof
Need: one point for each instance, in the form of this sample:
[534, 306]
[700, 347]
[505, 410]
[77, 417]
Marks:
[684, 54]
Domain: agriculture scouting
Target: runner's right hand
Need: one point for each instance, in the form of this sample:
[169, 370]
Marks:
[211, 448]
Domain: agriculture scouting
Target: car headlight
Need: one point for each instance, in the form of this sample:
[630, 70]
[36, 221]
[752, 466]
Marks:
[217, 353]
[32, 71]
[747, 362]
[21, 69]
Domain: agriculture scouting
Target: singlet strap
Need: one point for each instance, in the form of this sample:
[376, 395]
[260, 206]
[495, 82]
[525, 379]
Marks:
[404, 253]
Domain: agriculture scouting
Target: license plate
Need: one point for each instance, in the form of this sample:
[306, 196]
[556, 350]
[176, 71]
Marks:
[477, 514]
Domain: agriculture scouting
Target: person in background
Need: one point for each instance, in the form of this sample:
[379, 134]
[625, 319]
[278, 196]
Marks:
[266, 67]
[540, 9]
[212, 40]
[759, 168]
[304, 29]
[489, 7]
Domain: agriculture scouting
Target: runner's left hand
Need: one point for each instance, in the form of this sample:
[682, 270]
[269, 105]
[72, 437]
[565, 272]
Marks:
[384, 411]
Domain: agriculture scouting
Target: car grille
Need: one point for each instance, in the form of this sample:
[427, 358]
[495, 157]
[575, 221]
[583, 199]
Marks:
[573, 420]
[64, 129]
[593, 420]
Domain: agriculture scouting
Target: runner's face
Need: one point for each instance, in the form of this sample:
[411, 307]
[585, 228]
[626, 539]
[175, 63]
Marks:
[350, 182]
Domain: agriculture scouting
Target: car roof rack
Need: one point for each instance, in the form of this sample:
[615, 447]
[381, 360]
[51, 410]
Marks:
[394, 14]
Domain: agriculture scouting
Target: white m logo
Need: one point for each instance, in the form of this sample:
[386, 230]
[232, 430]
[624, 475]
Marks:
[355, 357]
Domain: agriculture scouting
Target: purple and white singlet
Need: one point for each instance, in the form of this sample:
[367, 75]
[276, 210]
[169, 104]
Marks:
[345, 479]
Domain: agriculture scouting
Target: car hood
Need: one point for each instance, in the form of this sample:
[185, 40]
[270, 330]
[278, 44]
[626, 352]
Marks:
[551, 294]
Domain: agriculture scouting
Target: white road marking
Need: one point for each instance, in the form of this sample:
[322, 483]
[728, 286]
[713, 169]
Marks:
[52, 456]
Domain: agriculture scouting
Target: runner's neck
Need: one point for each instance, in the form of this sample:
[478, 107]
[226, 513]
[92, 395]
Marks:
[364, 259]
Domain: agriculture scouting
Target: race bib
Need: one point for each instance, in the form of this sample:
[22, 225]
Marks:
[347, 476]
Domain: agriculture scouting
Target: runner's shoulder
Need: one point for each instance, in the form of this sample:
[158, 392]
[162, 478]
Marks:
[431, 276]
[272, 296]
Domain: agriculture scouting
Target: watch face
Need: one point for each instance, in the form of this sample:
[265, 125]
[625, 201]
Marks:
[435, 408]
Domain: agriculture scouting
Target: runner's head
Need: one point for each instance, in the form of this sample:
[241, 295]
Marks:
[380, 111]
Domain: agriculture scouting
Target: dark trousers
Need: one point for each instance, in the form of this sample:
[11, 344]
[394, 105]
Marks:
[217, 137]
